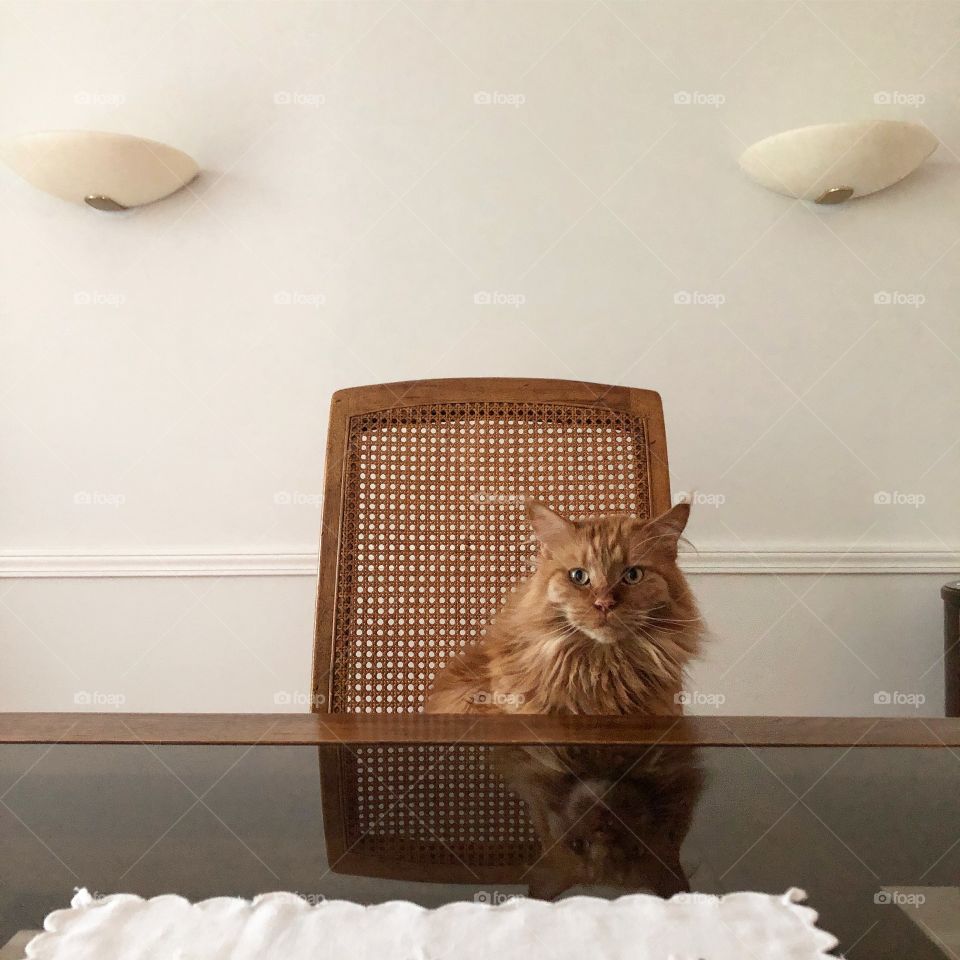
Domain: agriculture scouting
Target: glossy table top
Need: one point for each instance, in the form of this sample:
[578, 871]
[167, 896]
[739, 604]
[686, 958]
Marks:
[434, 822]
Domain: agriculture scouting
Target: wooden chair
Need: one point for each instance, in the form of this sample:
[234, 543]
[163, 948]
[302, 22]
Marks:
[423, 535]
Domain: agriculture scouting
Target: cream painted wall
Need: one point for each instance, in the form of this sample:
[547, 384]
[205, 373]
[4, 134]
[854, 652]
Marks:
[369, 168]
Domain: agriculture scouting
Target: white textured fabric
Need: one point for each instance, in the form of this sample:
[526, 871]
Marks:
[283, 926]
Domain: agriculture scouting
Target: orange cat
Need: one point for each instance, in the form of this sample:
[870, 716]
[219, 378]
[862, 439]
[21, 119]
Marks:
[606, 625]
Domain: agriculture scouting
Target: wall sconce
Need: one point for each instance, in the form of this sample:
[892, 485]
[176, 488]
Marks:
[108, 171]
[832, 162]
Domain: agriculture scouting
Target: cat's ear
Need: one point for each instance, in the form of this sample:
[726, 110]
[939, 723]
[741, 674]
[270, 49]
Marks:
[670, 877]
[662, 533]
[549, 527]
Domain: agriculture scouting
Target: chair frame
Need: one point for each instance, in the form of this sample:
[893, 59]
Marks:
[356, 401]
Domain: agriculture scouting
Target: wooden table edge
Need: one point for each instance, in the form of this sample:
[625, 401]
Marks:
[288, 729]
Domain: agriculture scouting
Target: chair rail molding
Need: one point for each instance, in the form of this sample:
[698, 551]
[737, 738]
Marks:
[757, 559]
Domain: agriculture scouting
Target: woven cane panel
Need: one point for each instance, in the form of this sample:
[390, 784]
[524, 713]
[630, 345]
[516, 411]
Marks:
[433, 804]
[432, 531]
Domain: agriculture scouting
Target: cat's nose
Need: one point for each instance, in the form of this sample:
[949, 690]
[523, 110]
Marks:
[605, 603]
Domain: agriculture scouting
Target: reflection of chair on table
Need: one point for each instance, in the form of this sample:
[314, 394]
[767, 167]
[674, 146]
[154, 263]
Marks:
[430, 812]
[423, 536]
[549, 818]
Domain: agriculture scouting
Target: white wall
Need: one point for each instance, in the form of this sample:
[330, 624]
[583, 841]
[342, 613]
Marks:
[188, 398]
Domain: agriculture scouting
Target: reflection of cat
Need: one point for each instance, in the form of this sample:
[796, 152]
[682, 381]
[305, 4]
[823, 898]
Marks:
[610, 817]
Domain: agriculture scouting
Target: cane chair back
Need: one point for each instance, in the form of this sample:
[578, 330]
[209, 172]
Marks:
[423, 536]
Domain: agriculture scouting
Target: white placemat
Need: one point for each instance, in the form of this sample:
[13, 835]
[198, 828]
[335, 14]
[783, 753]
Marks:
[283, 926]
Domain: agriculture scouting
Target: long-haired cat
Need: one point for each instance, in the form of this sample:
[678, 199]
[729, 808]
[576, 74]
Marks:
[606, 625]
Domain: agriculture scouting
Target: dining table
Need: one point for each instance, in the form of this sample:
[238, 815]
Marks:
[861, 814]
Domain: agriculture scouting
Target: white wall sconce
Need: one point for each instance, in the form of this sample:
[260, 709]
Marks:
[832, 162]
[108, 171]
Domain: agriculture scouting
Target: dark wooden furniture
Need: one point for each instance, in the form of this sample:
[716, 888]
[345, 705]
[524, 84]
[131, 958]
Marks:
[220, 805]
[951, 647]
[304, 729]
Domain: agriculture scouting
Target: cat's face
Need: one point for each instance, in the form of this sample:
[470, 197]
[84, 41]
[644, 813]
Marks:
[608, 842]
[606, 818]
[613, 578]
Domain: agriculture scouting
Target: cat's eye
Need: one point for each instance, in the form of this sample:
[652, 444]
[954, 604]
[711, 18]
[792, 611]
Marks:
[633, 575]
[579, 846]
[580, 576]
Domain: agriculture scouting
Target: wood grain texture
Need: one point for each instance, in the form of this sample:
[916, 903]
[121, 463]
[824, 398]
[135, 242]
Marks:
[317, 729]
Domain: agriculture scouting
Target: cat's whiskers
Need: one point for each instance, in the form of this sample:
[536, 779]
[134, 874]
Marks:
[659, 536]
[655, 648]
[674, 619]
[551, 644]
[555, 639]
